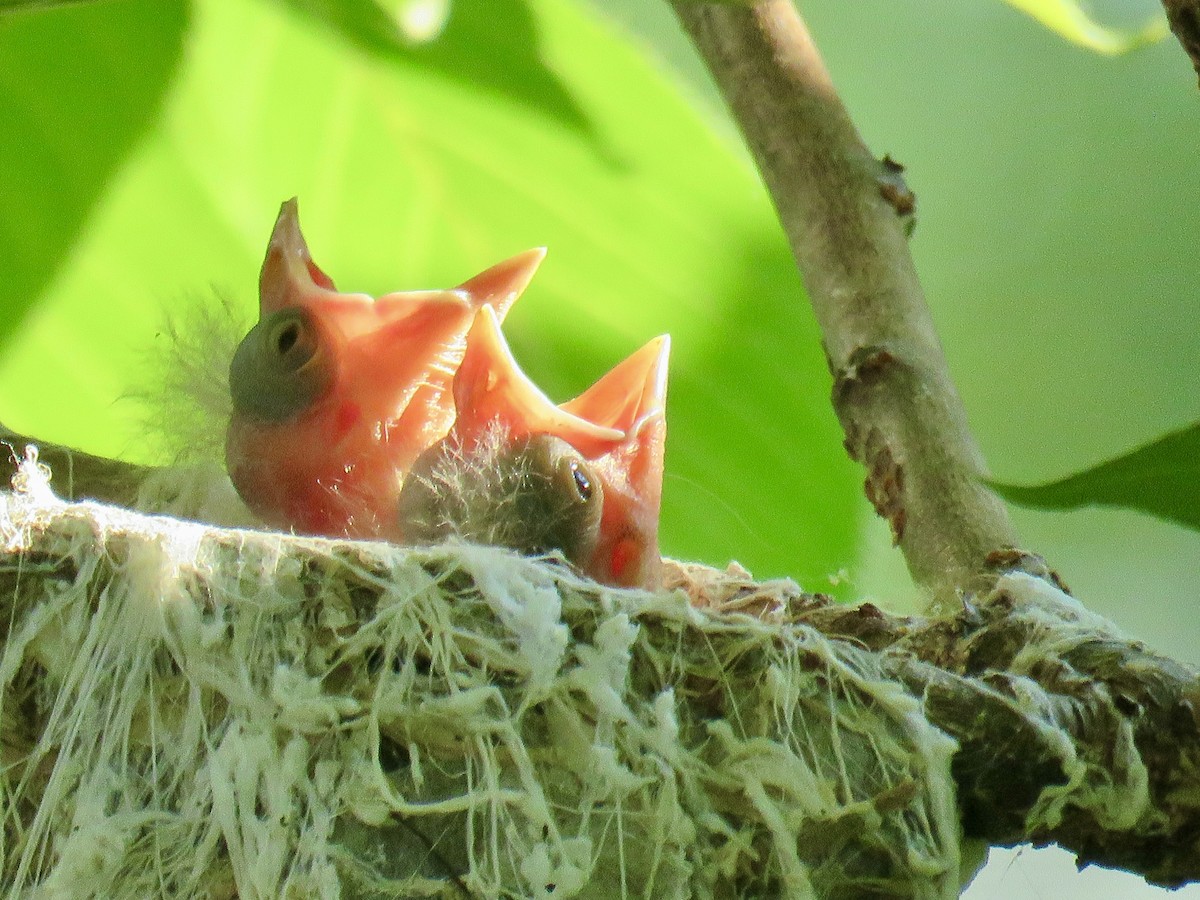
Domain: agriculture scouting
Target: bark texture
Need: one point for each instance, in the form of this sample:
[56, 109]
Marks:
[1184, 17]
[79, 475]
[847, 215]
[1011, 672]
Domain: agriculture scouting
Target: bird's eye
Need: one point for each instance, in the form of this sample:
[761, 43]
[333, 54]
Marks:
[291, 339]
[583, 483]
[552, 496]
[280, 367]
[574, 500]
[287, 335]
[570, 476]
[535, 494]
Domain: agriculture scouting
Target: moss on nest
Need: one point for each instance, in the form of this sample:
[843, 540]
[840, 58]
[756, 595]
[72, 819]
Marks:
[190, 711]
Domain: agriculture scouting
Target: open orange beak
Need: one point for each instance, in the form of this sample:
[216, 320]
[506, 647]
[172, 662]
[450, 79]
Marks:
[335, 394]
[289, 277]
[618, 425]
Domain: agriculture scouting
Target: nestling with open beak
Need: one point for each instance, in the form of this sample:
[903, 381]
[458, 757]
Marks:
[340, 401]
[604, 448]
[335, 395]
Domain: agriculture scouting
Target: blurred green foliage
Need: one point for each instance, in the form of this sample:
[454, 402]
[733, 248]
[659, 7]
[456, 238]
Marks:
[416, 167]
[78, 88]
[1161, 478]
[1056, 239]
[145, 172]
[1075, 22]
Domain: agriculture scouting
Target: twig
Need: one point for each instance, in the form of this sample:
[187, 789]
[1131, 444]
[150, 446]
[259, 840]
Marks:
[846, 214]
[77, 475]
[1068, 732]
[1184, 17]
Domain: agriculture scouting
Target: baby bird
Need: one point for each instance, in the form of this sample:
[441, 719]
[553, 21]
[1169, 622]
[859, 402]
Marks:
[534, 493]
[336, 395]
[405, 417]
[598, 458]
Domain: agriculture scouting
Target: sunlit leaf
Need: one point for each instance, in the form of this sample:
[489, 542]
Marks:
[421, 21]
[412, 176]
[1071, 20]
[78, 86]
[461, 40]
[1161, 478]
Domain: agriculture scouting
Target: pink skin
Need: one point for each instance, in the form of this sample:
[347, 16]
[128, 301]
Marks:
[399, 371]
[335, 468]
[618, 425]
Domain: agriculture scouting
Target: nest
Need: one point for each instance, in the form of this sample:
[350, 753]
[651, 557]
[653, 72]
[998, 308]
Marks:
[194, 711]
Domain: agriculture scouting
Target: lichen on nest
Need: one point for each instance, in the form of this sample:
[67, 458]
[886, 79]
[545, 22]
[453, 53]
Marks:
[191, 711]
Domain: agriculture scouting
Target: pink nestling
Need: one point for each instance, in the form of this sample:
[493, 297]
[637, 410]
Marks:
[594, 464]
[405, 417]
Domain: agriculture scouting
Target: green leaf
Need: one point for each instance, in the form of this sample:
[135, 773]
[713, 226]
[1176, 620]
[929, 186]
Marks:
[1161, 478]
[7, 6]
[1069, 19]
[412, 176]
[67, 127]
[421, 21]
[468, 34]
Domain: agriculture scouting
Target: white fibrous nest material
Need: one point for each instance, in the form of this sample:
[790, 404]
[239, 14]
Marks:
[190, 711]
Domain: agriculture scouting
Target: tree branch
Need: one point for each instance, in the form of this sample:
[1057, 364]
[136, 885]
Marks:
[1066, 731]
[1184, 18]
[79, 475]
[845, 214]
[200, 491]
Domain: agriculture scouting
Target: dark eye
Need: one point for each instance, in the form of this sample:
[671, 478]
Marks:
[280, 367]
[290, 338]
[286, 337]
[583, 484]
[556, 502]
